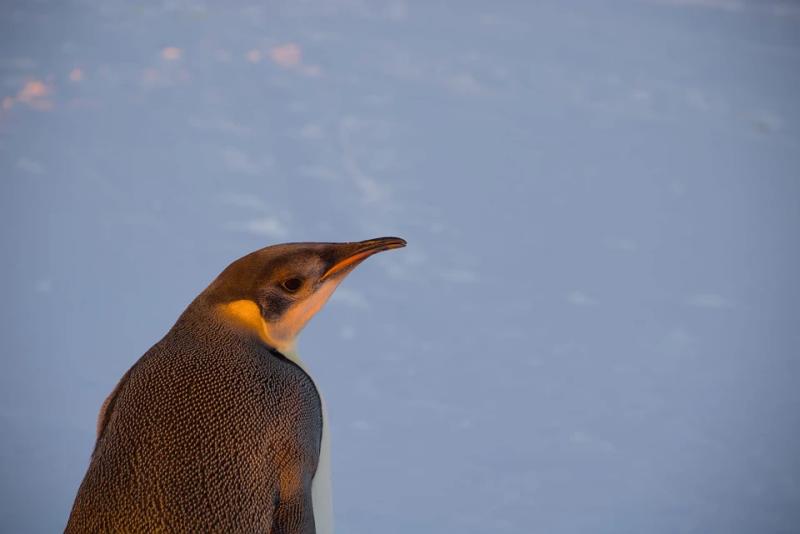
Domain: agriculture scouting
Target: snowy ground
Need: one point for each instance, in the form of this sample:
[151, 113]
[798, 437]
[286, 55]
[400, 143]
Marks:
[594, 327]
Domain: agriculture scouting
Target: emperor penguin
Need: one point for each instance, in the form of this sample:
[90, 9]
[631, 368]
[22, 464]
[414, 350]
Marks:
[219, 427]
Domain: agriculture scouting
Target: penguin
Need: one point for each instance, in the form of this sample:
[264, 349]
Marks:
[219, 427]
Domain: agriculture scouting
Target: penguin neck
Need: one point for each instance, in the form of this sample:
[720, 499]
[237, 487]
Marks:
[243, 319]
[290, 354]
[245, 316]
[242, 327]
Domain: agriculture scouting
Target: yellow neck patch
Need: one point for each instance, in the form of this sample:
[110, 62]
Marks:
[280, 334]
[246, 314]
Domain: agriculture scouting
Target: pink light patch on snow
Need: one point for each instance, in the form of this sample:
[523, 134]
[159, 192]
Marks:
[34, 94]
[287, 55]
[171, 53]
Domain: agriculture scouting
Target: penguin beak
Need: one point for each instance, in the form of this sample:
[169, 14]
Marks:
[351, 254]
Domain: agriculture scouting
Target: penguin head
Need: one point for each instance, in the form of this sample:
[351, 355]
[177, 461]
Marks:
[273, 292]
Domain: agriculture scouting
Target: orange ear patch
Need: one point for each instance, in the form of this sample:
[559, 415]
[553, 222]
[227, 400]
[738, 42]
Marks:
[246, 314]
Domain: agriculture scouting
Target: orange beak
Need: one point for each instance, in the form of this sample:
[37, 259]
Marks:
[354, 253]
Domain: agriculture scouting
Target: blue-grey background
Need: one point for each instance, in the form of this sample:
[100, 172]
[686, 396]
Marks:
[594, 327]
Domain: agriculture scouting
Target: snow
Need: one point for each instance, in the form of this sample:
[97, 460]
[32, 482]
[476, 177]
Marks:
[593, 328]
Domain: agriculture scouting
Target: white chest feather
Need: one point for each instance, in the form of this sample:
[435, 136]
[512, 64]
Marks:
[321, 496]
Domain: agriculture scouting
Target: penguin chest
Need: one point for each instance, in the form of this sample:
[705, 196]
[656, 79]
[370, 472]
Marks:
[292, 425]
[321, 493]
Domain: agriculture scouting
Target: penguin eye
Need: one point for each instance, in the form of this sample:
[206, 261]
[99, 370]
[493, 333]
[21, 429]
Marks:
[292, 284]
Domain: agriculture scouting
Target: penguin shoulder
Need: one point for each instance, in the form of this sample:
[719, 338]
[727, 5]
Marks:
[107, 407]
